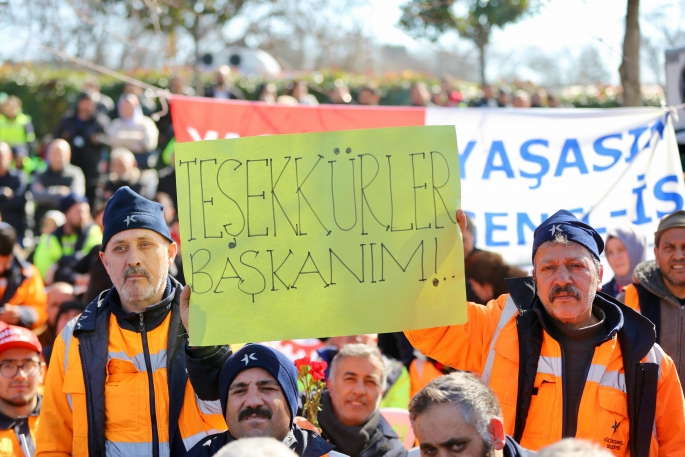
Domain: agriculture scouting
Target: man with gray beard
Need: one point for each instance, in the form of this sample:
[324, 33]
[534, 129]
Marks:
[118, 384]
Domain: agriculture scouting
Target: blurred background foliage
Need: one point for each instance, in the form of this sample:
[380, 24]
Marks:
[57, 88]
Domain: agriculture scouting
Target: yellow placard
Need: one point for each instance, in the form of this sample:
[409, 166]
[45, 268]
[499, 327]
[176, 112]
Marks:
[321, 234]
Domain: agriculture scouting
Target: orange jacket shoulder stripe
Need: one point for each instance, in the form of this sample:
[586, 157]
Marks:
[65, 426]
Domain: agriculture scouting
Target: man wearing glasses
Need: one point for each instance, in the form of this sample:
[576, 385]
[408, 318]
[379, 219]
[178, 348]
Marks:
[21, 371]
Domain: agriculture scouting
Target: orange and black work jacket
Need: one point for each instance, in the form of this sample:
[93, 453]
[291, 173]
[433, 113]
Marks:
[11, 429]
[117, 384]
[23, 286]
[631, 403]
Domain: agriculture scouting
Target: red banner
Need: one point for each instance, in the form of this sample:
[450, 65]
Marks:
[197, 118]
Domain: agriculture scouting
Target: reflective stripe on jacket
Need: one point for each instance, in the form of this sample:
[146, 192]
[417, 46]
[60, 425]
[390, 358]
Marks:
[111, 391]
[617, 381]
[51, 248]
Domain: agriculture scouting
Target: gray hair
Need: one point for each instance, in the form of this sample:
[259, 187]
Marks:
[477, 403]
[362, 351]
[571, 447]
[255, 447]
[561, 238]
[122, 154]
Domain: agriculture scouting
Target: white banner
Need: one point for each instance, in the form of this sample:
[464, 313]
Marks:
[611, 167]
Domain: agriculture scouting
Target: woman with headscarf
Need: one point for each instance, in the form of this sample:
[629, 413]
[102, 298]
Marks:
[624, 250]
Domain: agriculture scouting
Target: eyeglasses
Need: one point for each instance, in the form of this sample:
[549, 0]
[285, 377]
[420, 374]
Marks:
[11, 369]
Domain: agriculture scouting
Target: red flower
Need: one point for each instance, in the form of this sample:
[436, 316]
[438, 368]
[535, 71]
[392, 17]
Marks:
[304, 361]
[318, 371]
[319, 366]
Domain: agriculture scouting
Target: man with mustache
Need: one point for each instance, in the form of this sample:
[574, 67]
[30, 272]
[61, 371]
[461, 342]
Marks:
[658, 289]
[21, 372]
[564, 359]
[258, 396]
[117, 383]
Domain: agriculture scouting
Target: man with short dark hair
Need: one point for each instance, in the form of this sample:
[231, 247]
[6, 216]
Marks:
[258, 393]
[68, 243]
[457, 413]
[658, 289]
[117, 383]
[349, 416]
[564, 359]
[23, 297]
[21, 373]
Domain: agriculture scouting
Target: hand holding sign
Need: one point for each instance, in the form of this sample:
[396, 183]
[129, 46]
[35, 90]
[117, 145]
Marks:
[285, 238]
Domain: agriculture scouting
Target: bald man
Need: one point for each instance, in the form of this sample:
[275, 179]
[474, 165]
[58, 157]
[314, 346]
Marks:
[61, 178]
[12, 192]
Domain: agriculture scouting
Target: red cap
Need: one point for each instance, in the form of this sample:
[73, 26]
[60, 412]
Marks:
[19, 337]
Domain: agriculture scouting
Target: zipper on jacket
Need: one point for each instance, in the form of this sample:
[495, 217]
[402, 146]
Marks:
[151, 387]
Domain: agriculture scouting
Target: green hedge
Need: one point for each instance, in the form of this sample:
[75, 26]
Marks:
[48, 93]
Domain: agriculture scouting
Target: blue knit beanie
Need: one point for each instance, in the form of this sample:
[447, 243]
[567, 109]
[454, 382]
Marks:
[564, 222]
[259, 356]
[127, 210]
[70, 200]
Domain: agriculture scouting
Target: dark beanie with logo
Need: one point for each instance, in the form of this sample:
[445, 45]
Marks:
[566, 223]
[127, 210]
[259, 356]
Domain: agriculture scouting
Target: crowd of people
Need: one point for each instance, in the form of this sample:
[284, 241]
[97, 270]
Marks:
[95, 357]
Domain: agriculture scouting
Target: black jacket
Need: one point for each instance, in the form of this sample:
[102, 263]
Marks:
[92, 332]
[304, 443]
[86, 139]
[636, 337]
[13, 208]
[389, 444]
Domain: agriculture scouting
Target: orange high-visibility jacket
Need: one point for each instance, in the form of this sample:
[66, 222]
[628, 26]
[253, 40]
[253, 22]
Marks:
[25, 288]
[421, 372]
[10, 444]
[489, 345]
[149, 405]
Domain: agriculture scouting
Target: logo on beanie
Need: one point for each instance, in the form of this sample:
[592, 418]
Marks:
[556, 229]
[129, 219]
[247, 358]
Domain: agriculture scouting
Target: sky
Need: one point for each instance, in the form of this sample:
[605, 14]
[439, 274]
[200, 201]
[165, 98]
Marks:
[559, 27]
